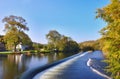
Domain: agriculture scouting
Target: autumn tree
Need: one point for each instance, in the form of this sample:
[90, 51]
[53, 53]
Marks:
[14, 28]
[90, 45]
[111, 36]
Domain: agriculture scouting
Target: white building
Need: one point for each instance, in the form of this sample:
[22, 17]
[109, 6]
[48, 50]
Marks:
[20, 47]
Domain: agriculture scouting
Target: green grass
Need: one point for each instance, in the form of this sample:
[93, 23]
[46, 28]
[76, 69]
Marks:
[6, 52]
[25, 51]
[10, 52]
[31, 51]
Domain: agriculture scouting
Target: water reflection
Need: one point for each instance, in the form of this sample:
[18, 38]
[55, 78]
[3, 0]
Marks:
[36, 61]
[1, 70]
[12, 66]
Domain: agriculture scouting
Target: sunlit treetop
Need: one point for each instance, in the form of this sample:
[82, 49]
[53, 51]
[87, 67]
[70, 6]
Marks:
[14, 23]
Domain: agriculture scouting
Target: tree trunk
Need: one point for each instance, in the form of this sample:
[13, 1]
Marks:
[14, 50]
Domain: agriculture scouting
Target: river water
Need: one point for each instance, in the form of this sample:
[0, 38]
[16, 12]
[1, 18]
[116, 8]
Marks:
[12, 66]
[82, 66]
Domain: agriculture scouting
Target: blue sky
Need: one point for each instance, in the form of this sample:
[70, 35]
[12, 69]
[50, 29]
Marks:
[73, 18]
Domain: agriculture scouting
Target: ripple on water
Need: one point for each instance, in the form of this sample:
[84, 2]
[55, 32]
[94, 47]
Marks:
[98, 67]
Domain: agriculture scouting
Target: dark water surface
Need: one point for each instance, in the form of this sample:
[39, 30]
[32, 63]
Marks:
[12, 66]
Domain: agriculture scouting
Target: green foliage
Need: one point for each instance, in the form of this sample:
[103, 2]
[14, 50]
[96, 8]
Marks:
[53, 37]
[59, 42]
[15, 22]
[50, 46]
[66, 44]
[14, 27]
[111, 36]
[2, 43]
[71, 46]
[37, 46]
[1, 39]
[90, 45]
[12, 39]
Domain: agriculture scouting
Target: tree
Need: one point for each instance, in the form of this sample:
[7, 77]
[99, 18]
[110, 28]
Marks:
[2, 44]
[14, 22]
[14, 28]
[111, 36]
[71, 46]
[61, 43]
[1, 39]
[37, 46]
[53, 37]
[66, 44]
[90, 45]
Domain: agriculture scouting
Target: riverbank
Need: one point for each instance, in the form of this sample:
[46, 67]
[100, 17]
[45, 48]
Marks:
[24, 52]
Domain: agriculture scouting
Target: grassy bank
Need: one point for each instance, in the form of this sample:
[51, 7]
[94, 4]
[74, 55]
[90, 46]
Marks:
[28, 51]
[5, 52]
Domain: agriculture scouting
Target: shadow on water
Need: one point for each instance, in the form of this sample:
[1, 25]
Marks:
[12, 66]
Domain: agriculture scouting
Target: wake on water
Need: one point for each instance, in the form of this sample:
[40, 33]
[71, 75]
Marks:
[96, 68]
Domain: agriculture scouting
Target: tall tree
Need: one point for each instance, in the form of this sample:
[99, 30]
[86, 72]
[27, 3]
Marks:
[61, 42]
[14, 28]
[111, 36]
[14, 22]
[53, 37]
[66, 44]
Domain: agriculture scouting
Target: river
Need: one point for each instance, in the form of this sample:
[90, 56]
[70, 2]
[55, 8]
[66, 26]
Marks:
[13, 66]
[81, 66]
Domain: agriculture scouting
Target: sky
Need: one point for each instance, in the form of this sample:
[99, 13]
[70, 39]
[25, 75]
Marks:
[73, 18]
